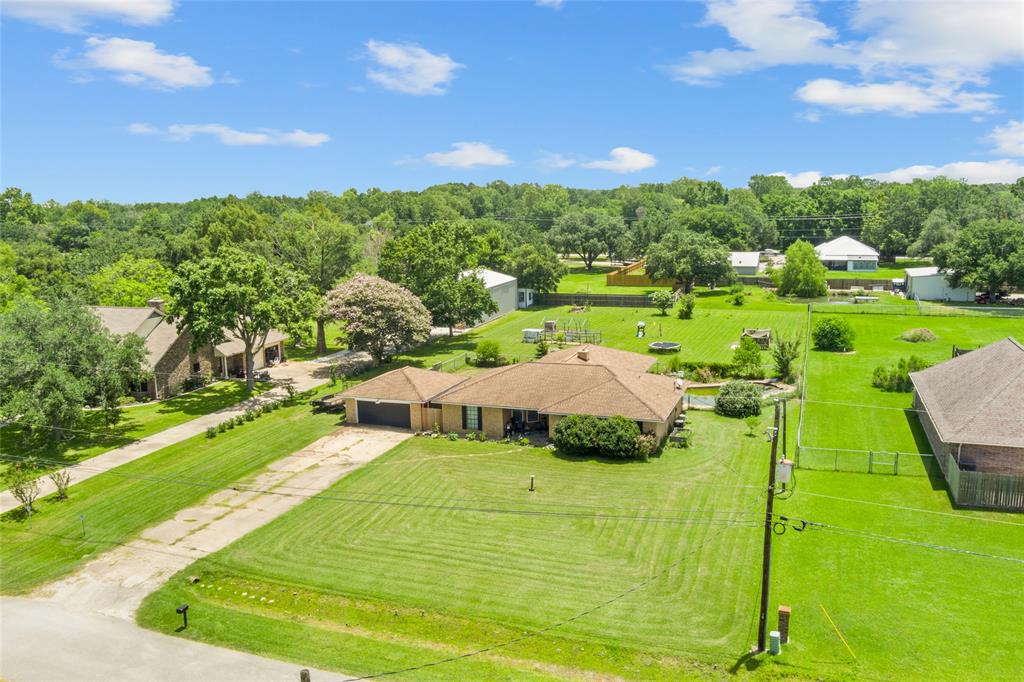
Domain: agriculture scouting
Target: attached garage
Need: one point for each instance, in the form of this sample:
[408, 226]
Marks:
[383, 414]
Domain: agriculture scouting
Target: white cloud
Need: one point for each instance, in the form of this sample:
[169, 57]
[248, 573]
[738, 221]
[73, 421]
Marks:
[137, 62]
[1008, 139]
[917, 57]
[809, 116]
[714, 170]
[182, 132]
[553, 161]
[897, 97]
[624, 160]
[410, 68]
[973, 172]
[469, 155]
[553, 4]
[805, 179]
[74, 15]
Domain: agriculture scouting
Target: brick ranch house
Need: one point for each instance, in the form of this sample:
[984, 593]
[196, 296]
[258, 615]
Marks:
[972, 410]
[169, 353]
[593, 380]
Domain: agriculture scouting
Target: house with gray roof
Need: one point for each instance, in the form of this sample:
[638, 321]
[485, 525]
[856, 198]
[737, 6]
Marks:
[972, 410]
[170, 355]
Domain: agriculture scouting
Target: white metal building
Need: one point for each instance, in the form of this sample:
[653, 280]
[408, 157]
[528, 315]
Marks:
[745, 262]
[503, 289]
[846, 253]
[930, 284]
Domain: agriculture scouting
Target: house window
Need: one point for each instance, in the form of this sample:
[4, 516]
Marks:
[471, 418]
[144, 386]
[863, 265]
[196, 367]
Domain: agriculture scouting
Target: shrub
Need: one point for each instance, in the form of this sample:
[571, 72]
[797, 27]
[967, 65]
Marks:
[784, 352]
[584, 434]
[920, 335]
[736, 288]
[771, 296]
[739, 399]
[61, 479]
[541, 350]
[646, 446]
[738, 299]
[686, 305]
[746, 359]
[453, 436]
[523, 441]
[211, 432]
[662, 300]
[897, 378]
[249, 415]
[833, 333]
[675, 364]
[229, 424]
[488, 354]
[752, 422]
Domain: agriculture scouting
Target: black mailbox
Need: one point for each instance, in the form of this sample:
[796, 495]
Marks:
[183, 610]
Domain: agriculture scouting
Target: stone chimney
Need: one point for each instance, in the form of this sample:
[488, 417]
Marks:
[156, 304]
[583, 354]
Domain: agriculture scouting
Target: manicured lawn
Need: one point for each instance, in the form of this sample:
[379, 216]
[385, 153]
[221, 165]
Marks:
[120, 503]
[868, 418]
[581, 281]
[335, 342]
[907, 612]
[94, 437]
[705, 338]
[438, 548]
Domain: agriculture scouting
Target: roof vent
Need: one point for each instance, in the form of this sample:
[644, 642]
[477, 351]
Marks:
[583, 354]
[156, 304]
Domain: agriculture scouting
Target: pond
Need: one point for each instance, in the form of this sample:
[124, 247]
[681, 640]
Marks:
[704, 396]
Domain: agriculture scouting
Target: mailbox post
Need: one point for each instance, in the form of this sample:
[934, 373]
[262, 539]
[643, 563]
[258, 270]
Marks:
[183, 610]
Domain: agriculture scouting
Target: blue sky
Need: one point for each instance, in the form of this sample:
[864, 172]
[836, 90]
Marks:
[156, 100]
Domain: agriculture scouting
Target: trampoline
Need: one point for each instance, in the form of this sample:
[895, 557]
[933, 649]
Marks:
[664, 346]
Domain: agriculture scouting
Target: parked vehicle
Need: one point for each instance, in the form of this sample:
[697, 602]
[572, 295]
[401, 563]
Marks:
[261, 375]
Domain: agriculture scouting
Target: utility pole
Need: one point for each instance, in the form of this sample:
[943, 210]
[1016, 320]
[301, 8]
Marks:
[766, 559]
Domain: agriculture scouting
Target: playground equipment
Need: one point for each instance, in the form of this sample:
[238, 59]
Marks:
[664, 346]
[571, 330]
[641, 330]
[763, 337]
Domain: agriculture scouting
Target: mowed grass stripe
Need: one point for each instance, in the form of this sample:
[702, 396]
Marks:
[119, 504]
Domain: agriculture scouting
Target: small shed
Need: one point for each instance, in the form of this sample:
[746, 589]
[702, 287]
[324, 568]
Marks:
[931, 284]
[763, 337]
[504, 289]
[745, 262]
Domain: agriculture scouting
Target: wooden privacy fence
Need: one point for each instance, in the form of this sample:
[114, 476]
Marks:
[616, 300]
[984, 489]
[633, 275]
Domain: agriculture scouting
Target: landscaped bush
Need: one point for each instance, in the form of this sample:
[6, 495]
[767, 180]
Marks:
[662, 300]
[738, 299]
[833, 333]
[585, 435]
[919, 335]
[488, 354]
[686, 305]
[746, 359]
[646, 446]
[739, 399]
[897, 378]
[211, 431]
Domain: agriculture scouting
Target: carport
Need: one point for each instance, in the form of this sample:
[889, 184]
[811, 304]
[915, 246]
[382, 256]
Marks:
[380, 413]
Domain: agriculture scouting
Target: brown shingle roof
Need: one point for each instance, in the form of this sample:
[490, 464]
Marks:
[977, 398]
[564, 383]
[157, 333]
[409, 384]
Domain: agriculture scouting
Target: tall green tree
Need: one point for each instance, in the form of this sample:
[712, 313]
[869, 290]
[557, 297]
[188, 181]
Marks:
[689, 258]
[803, 274]
[588, 234]
[435, 262]
[937, 229]
[987, 255]
[239, 293]
[56, 359]
[130, 281]
[537, 267]
[317, 244]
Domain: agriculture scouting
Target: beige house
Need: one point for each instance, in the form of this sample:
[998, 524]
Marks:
[972, 410]
[594, 380]
[169, 352]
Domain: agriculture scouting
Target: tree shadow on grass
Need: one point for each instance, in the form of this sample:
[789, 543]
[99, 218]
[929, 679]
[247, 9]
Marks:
[200, 402]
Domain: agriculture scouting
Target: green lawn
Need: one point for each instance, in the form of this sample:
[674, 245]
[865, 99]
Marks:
[120, 503]
[438, 548]
[94, 436]
[579, 280]
[332, 333]
[884, 271]
[883, 424]
[907, 612]
[705, 338]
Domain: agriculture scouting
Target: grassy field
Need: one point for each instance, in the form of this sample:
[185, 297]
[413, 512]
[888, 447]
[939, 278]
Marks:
[94, 436]
[579, 280]
[438, 548]
[907, 612]
[120, 503]
[845, 411]
[333, 334]
[884, 271]
[705, 338]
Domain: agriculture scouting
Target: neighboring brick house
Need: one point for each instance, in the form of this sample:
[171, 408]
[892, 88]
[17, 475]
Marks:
[593, 380]
[168, 352]
[972, 410]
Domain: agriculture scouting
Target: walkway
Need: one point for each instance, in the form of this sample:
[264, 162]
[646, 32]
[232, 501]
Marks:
[305, 375]
[88, 617]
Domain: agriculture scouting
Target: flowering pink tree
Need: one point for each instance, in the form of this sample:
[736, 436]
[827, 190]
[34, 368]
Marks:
[379, 316]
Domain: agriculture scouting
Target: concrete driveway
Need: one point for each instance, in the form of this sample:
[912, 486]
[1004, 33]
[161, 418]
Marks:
[305, 375]
[82, 627]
